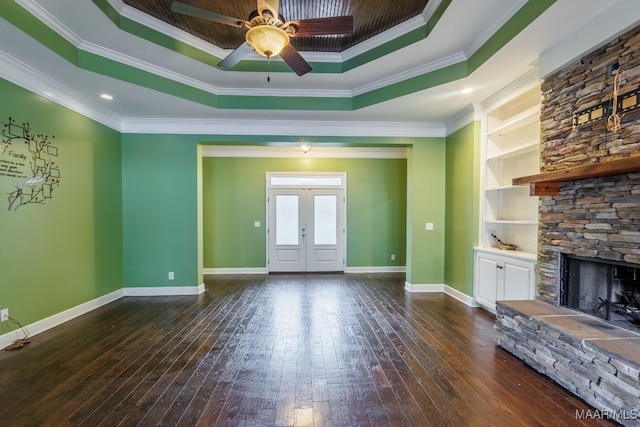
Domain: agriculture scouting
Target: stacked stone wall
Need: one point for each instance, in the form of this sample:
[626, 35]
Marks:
[594, 217]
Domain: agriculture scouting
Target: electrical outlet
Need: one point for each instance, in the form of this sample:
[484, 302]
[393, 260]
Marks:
[4, 314]
[171, 276]
[393, 257]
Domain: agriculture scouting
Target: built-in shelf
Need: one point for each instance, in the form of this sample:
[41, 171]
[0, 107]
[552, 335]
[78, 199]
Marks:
[516, 151]
[518, 121]
[548, 183]
[511, 221]
[507, 188]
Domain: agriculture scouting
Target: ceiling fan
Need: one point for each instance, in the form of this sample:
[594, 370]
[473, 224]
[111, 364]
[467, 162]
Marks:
[268, 32]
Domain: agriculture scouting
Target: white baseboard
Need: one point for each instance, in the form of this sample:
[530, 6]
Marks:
[424, 288]
[162, 291]
[261, 270]
[382, 269]
[460, 296]
[258, 270]
[64, 316]
[59, 318]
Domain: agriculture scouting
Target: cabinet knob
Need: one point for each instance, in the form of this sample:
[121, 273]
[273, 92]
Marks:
[499, 266]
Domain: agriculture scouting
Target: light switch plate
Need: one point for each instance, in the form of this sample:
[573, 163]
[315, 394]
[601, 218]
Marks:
[256, 224]
[428, 226]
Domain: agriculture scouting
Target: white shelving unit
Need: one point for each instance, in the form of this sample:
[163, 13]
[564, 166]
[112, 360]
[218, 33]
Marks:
[511, 149]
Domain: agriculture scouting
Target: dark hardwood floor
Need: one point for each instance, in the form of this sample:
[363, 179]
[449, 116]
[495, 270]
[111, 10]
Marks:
[285, 350]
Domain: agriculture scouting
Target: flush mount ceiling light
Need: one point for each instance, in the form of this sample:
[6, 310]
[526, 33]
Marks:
[466, 90]
[305, 148]
[106, 96]
[268, 32]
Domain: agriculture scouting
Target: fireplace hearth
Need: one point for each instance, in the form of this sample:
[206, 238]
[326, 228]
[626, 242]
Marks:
[608, 290]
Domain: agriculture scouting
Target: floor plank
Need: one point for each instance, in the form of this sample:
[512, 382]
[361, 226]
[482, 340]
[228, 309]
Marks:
[280, 350]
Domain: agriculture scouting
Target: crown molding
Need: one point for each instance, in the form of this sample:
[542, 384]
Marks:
[408, 74]
[616, 20]
[294, 151]
[282, 127]
[50, 21]
[492, 29]
[23, 75]
[512, 90]
[464, 117]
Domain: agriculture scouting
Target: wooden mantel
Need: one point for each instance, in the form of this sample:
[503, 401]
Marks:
[548, 183]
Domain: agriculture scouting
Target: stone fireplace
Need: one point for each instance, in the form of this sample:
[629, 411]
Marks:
[605, 289]
[589, 230]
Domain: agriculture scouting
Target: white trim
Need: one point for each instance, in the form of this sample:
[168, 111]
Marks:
[163, 291]
[423, 288]
[257, 270]
[504, 17]
[23, 75]
[460, 296]
[377, 269]
[512, 90]
[60, 318]
[296, 152]
[460, 120]
[616, 20]
[448, 290]
[282, 127]
[413, 72]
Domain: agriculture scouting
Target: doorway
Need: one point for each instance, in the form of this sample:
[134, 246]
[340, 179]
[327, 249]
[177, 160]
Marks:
[306, 222]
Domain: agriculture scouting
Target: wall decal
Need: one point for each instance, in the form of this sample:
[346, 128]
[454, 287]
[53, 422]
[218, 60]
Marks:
[28, 171]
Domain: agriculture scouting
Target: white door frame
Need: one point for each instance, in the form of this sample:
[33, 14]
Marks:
[308, 180]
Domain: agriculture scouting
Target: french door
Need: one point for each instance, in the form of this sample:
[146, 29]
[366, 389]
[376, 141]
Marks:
[306, 229]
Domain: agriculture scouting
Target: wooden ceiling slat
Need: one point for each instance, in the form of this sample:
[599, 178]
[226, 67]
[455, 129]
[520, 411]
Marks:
[371, 17]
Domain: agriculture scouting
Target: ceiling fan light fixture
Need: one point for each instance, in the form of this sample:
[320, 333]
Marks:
[267, 40]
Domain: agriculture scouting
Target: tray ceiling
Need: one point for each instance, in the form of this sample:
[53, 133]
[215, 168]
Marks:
[370, 18]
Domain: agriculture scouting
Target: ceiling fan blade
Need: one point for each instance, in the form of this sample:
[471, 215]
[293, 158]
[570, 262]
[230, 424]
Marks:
[321, 26]
[236, 56]
[297, 63]
[196, 12]
[271, 5]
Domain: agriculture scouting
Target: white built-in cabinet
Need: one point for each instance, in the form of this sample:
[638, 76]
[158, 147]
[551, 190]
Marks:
[503, 276]
[511, 149]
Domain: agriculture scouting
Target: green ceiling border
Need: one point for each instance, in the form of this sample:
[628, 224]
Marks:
[111, 68]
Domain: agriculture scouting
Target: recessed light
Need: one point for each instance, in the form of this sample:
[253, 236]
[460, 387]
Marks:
[466, 90]
[106, 96]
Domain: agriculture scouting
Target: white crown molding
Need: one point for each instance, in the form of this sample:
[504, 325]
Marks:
[490, 30]
[50, 21]
[616, 20]
[384, 37]
[35, 81]
[512, 90]
[464, 117]
[413, 72]
[282, 127]
[294, 151]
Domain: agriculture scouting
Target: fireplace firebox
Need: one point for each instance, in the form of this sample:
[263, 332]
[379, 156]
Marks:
[609, 290]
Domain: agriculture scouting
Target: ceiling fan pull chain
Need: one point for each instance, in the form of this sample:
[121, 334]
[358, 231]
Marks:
[268, 69]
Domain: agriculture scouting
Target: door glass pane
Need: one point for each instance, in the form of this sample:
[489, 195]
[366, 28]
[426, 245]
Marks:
[303, 181]
[286, 219]
[325, 219]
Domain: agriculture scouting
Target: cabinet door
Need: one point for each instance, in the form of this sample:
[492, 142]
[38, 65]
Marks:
[519, 280]
[486, 280]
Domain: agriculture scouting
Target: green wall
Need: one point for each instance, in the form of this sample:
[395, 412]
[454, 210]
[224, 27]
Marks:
[425, 203]
[235, 194]
[160, 210]
[68, 250]
[462, 206]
